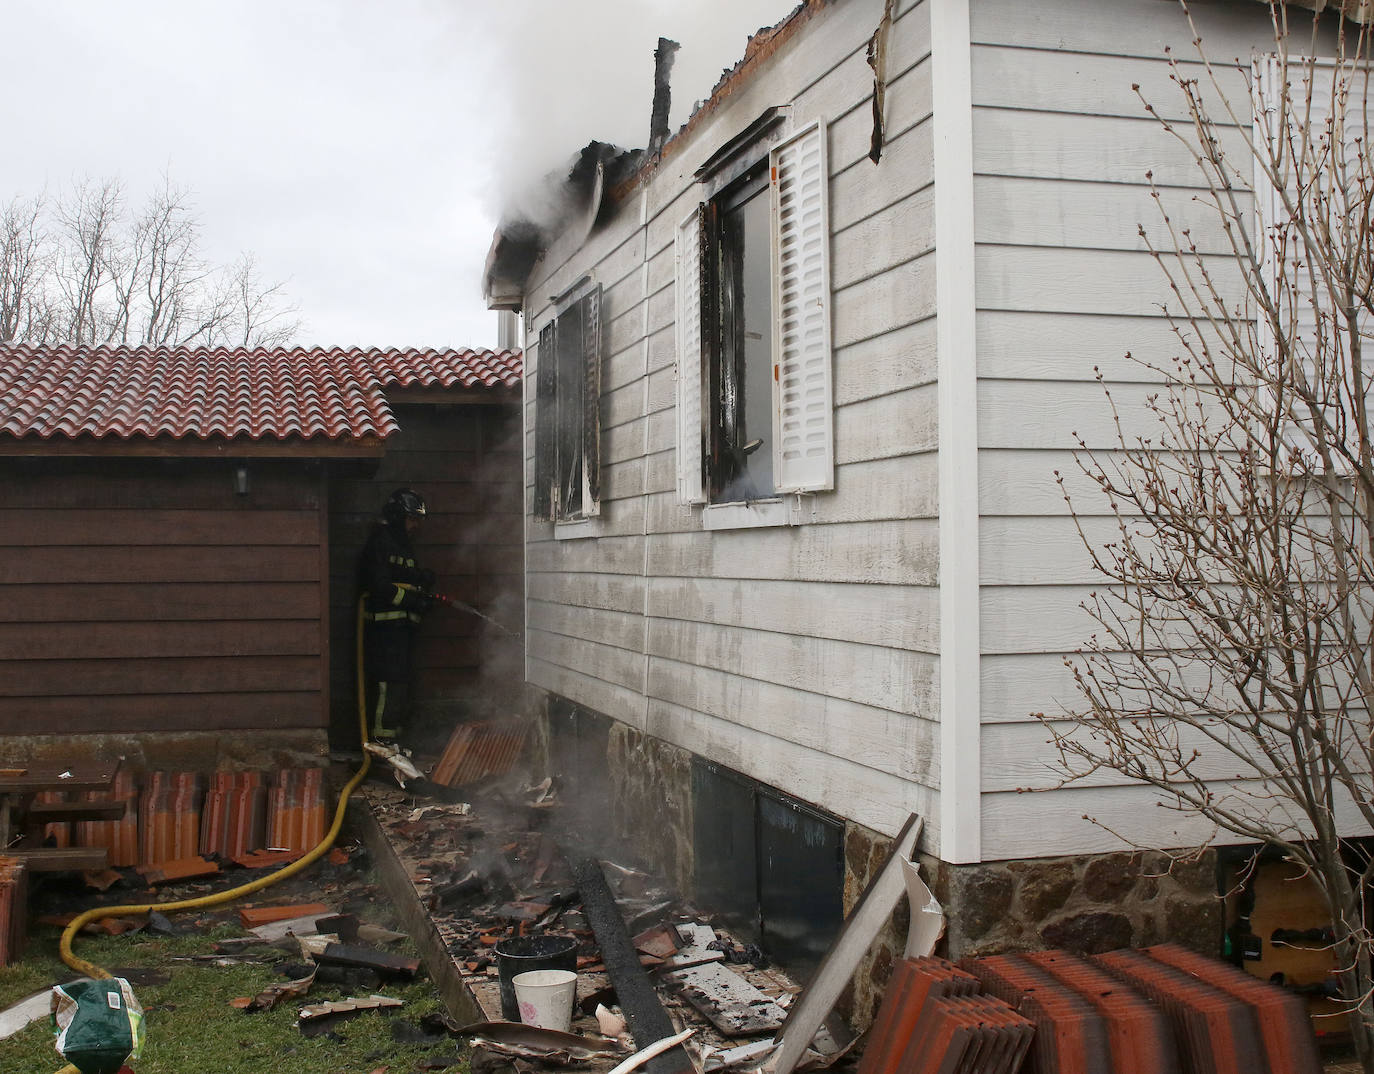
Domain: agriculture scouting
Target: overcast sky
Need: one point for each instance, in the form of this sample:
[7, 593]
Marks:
[361, 150]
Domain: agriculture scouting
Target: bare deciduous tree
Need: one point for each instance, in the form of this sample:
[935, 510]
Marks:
[82, 268]
[1232, 666]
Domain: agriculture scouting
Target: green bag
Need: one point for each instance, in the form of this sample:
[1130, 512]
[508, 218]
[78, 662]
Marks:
[99, 1024]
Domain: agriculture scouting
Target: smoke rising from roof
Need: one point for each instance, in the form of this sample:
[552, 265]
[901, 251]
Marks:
[573, 73]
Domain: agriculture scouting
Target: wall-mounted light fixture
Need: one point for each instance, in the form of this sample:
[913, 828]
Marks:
[241, 480]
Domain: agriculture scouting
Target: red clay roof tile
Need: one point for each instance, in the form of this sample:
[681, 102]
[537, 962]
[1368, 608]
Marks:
[256, 393]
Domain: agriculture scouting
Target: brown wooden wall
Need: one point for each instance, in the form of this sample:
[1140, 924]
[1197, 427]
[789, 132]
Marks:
[148, 595]
[465, 461]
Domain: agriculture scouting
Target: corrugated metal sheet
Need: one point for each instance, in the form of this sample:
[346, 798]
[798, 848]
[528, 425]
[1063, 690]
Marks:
[480, 749]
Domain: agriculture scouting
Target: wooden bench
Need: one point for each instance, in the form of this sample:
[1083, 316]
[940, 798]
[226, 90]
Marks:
[61, 812]
[62, 859]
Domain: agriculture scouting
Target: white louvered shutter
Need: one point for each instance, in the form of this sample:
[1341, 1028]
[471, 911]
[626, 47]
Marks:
[687, 278]
[803, 398]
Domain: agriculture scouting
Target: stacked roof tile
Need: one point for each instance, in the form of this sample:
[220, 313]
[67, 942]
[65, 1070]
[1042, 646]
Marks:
[257, 393]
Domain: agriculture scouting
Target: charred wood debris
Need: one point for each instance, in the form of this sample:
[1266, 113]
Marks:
[506, 867]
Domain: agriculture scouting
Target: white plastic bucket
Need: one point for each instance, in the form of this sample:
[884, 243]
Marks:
[546, 997]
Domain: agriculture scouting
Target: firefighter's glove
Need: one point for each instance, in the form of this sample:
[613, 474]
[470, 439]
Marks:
[427, 580]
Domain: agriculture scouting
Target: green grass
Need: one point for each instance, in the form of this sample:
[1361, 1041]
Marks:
[191, 1026]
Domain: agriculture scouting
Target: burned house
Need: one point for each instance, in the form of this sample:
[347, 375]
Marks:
[181, 528]
[795, 395]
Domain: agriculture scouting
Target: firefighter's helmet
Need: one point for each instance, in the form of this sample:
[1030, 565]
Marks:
[403, 504]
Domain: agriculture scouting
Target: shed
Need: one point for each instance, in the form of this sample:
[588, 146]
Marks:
[179, 527]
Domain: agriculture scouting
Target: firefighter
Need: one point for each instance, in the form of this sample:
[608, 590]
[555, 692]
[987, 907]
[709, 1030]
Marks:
[396, 594]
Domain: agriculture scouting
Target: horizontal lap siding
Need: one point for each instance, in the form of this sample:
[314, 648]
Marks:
[804, 656]
[147, 596]
[1066, 286]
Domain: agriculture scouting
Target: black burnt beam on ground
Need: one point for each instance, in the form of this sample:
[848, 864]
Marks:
[644, 1014]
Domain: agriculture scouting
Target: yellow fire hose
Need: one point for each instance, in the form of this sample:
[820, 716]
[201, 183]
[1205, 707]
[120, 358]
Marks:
[90, 969]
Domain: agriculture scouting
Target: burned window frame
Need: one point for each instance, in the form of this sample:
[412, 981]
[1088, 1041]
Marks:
[567, 452]
[710, 443]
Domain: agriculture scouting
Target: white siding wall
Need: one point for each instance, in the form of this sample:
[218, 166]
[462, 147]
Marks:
[806, 655]
[1061, 148]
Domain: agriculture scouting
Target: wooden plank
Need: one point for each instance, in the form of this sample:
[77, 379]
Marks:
[903, 358]
[903, 423]
[854, 195]
[1089, 148]
[1036, 619]
[618, 703]
[163, 712]
[191, 675]
[1016, 211]
[882, 304]
[619, 667]
[1022, 482]
[879, 243]
[62, 859]
[899, 617]
[882, 678]
[1131, 29]
[624, 630]
[612, 592]
[144, 564]
[1053, 822]
[1042, 345]
[178, 601]
[1085, 281]
[99, 527]
[1050, 415]
[1046, 80]
[122, 640]
[1041, 551]
[898, 552]
[900, 744]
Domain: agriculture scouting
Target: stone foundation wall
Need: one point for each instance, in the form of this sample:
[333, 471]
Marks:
[1085, 904]
[651, 802]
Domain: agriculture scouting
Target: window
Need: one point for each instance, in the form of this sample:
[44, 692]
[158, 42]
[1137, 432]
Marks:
[567, 422]
[754, 411]
[1311, 125]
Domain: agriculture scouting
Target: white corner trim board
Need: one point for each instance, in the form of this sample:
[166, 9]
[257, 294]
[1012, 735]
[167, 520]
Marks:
[951, 76]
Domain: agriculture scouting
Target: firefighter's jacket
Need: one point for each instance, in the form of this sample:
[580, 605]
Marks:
[393, 602]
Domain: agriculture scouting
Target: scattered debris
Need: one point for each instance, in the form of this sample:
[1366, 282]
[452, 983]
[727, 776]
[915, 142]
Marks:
[532, 1042]
[655, 1049]
[322, 1017]
[732, 1004]
[383, 962]
[255, 916]
[307, 925]
[648, 1022]
[270, 996]
[927, 917]
[168, 872]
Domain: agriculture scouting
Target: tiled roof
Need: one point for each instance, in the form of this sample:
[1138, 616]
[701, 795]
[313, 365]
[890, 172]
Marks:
[257, 393]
